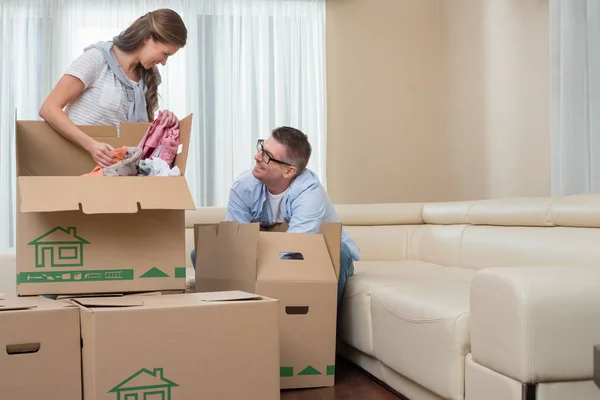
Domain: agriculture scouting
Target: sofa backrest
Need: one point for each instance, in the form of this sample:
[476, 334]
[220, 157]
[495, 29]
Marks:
[557, 231]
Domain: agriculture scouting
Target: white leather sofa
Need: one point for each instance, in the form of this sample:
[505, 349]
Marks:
[482, 300]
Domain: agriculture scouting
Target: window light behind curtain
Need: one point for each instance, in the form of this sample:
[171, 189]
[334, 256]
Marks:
[248, 67]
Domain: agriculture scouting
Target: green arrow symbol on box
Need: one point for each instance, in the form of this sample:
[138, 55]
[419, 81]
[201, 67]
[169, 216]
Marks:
[309, 371]
[154, 273]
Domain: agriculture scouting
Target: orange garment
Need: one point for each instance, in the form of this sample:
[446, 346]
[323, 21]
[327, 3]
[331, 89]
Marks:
[118, 154]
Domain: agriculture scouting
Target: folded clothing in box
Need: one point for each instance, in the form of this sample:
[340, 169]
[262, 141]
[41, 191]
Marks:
[153, 156]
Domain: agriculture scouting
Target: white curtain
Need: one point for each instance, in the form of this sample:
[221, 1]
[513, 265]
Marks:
[248, 67]
[575, 96]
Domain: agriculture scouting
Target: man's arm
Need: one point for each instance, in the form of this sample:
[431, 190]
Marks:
[307, 210]
[237, 209]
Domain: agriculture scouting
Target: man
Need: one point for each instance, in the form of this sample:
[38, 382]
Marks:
[281, 189]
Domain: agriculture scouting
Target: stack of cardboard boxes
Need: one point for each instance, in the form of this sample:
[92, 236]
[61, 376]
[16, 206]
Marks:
[300, 270]
[111, 250]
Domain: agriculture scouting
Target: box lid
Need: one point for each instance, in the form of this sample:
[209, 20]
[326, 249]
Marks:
[205, 299]
[106, 304]
[103, 195]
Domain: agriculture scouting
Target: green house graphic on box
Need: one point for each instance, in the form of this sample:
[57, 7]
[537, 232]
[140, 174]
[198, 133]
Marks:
[59, 247]
[145, 385]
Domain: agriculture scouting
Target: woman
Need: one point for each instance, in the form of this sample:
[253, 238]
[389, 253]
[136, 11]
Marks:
[114, 81]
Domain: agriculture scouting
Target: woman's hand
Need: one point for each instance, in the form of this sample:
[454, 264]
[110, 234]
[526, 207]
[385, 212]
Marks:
[102, 154]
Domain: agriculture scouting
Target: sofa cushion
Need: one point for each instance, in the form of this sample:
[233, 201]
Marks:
[355, 319]
[528, 322]
[413, 316]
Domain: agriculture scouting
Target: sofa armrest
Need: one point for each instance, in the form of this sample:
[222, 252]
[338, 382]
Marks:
[536, 324]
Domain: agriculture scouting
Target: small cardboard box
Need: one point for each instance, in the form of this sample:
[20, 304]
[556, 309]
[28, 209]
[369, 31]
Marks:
[40, 351]
[90, 234]
[217, 346]
[300, 270]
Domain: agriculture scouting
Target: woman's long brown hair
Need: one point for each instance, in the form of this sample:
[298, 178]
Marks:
[164, 26]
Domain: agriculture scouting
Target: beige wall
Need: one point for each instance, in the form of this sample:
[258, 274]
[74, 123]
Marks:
[437, 99]
[495, 134]
[383, 110]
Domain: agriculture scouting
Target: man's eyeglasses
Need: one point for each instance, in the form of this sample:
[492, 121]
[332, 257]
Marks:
[266, 156]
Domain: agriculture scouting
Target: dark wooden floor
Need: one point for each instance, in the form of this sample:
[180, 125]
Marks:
[351, 383]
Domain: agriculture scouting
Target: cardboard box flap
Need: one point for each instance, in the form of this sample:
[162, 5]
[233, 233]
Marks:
[185, 130]
[103, 195]
[233, 295]
[293, 257]
[14, 302]
[38, 146]
[126, 301]
[227, 251]
[15, 307]
[332, 232]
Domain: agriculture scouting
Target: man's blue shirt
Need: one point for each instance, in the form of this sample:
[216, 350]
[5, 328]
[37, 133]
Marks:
[305, 205]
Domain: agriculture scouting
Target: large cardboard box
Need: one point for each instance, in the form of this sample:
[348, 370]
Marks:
[217, 346]
[300, 270]
[40, 351]
[89, 234]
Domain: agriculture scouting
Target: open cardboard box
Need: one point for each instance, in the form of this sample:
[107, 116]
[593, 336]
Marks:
[300, 270]
[217, 346]
[40, 351]
[89, 234]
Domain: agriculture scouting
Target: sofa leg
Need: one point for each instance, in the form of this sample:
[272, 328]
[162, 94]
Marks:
[529, 391]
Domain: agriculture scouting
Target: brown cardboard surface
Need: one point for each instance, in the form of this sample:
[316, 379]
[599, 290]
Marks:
[238, 252]
[232, 256]
[307, 331]
[70, 252]
[331, 231]
[312, 248]
[182, 346]
[132, 193]
[38, 147]
[40, 353]
[81, 234]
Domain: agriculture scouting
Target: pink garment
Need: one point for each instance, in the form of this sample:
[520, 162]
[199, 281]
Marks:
[162, 138]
